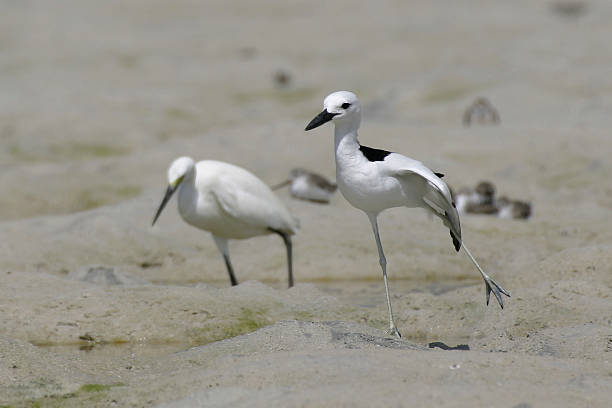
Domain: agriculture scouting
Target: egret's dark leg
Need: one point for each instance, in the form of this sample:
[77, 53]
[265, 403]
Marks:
[383, 265]
[223, 248]
[287, 240]
[230, 270]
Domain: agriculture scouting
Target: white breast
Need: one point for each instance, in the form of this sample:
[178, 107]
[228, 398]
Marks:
[365, 187]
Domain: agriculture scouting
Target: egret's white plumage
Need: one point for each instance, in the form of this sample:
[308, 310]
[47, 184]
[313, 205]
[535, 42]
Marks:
[229, 202]
[374, 180]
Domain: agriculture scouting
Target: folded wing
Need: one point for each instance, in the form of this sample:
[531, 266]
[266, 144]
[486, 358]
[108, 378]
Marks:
[251, 202]
[433, 192]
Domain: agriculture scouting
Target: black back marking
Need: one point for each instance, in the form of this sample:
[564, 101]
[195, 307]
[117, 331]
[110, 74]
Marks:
[439, 174]
[374, 154]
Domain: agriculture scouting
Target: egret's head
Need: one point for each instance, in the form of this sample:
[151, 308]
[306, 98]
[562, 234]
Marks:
[341, 106]
[177, 172]
[179, 169]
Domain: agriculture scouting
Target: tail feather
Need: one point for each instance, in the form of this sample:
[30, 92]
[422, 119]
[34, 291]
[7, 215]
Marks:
[456, 242]
[435, 196]
[447, 212]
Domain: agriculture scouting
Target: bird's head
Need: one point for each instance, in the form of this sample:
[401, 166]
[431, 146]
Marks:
[177, 172]
[341, 107]
[179, 169]
[297, 172]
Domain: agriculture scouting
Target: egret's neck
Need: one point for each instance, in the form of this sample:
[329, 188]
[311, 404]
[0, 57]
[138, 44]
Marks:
[187, 195]
[187, 185]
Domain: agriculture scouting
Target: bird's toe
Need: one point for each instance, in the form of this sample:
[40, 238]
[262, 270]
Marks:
[492, 286]
[394, 332]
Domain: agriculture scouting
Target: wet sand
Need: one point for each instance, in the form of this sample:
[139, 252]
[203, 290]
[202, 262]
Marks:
[97, 308]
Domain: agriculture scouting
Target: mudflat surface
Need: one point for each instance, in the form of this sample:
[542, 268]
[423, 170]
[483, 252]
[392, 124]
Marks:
[97, 308]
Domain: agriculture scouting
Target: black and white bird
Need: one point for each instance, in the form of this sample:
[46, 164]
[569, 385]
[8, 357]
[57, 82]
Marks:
[373, 180]
[229, 202]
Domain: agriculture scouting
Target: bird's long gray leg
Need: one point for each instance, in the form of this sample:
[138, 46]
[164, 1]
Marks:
[383, 265]
[490, 284]
[287, 240]
[222, 245]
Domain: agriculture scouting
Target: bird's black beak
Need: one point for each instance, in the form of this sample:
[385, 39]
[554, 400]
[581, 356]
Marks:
[320, 119]
[280, 185]
[169, 191]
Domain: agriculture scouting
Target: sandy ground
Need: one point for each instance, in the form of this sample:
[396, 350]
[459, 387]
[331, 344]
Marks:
[99, 309]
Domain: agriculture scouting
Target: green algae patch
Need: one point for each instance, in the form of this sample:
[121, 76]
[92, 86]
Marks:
[66, 151]
[303, 315]
[103, 195]
[75, 150]
[447, 92]
[86, 395]
[96, 387]
[293, 95]
[181, 114]
[247, 321]
[18, 153]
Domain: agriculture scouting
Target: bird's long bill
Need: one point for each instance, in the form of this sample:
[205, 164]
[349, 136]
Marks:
[169, 191]
[280, 185]
[320, 119]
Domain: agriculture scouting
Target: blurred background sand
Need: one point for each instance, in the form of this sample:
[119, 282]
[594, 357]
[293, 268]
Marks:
[96, 100]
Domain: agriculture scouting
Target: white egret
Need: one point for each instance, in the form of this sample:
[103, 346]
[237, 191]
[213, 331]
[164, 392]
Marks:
[230, 203]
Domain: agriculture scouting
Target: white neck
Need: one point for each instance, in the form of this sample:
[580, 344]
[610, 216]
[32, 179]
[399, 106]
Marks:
[345, 136]
[188, 182]
[348, 155]
[187, 195]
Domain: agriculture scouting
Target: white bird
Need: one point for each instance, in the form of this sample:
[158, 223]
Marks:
[307, 185]
[229, 202]
[373, 180]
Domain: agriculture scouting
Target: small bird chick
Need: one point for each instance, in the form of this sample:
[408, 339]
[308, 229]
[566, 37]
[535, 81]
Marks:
[514, 209]
[477, 201]
[481, 112]
[309, 186]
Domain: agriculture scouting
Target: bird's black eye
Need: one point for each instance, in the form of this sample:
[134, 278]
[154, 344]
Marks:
[345, 105]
